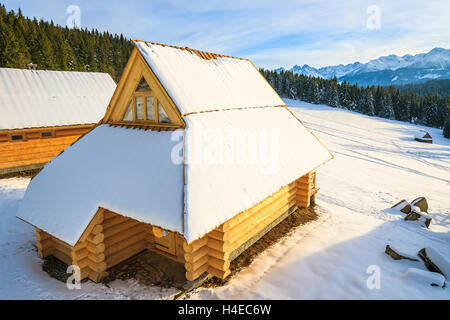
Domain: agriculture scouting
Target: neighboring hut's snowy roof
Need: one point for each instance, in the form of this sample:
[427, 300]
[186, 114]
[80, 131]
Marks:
[138, 174]
[126, 171]
[40, 98]
[214, 82]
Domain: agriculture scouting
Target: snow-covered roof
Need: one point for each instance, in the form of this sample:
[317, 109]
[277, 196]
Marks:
[41, 98]
[138, 174]
[237, 158]
[198, 81]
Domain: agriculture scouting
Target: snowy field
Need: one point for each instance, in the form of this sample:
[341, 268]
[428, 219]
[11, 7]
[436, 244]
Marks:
[377, 163]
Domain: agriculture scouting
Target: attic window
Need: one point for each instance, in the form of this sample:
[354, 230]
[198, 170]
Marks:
[143, 86]
[140, 108]
[162, 115]
[150, 103]
[129, 113]
[144, 106]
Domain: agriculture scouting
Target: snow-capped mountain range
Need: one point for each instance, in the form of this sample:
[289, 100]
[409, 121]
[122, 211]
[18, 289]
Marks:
[387, 70]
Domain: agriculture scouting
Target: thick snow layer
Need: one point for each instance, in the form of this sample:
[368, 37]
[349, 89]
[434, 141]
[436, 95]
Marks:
[424, 277]
[196, 84]
[123, 170]
[376, 165]
[440, 261]
[40, 98]
[21, 272]
[132, 172]
[237, 158]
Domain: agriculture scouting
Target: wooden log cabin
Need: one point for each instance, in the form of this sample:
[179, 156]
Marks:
[196, 158]
[42, 112]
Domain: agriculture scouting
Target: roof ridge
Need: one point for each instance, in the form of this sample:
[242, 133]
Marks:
[202, 54]
[230, 109]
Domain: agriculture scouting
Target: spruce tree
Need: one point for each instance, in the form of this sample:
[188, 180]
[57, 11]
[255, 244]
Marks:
[368, 105]
[446, 130]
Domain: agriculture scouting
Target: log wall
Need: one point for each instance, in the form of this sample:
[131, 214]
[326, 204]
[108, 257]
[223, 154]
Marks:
[33, 150]
[213, 252]
[111, 238]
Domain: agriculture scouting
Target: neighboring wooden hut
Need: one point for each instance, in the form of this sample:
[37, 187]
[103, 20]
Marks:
[423, 136]
[42, 112]
[163, 170]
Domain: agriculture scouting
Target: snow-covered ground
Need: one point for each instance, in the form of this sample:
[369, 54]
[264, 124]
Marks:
[377, 163]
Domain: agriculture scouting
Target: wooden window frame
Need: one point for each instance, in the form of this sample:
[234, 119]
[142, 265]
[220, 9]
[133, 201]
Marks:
[24, 137]
[52, 134]
[144, 95]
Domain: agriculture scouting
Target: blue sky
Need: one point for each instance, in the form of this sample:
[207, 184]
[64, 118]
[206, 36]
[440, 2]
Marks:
[271, 33]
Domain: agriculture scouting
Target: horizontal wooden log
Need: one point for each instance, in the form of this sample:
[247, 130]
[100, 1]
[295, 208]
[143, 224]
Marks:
[253, 229]
[249, 223]
[44, 253]
[119, 228]
[218, 235]
[115, 220]
[97, 229]
[95, 238]
[41, 235]
[192, 275]
[195, 245]
[62, 243]
[111, 249]
[192, 266]
[219, 264]
[218, 254]
[221, 274]
[44, 244]
[84, 273]
[83, 263]
[224, 227]
[62, 256]
[109, 214]
[138, 228]
[80, 254]
[125, 253]
[218, 245]
[95, 248]
[67, 251]
[98, 267]
[97, 276]
[196, 255]
[261, 206]
[97, 257]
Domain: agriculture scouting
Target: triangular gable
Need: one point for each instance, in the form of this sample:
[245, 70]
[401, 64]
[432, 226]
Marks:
[141, 100]
[199, 81]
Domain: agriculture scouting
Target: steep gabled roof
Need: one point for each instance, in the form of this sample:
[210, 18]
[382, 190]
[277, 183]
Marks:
[41, 98]
[200, 81]
[227, 107]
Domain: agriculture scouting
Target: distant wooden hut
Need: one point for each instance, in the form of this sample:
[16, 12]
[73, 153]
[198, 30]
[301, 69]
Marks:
[423, 136]
[158, 174]
[42, 112]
